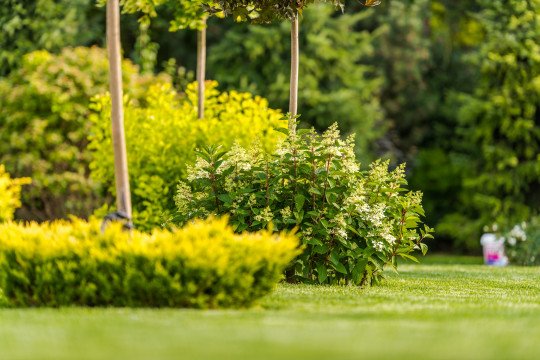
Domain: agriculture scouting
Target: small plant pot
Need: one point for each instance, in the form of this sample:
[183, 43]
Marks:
[493, 248]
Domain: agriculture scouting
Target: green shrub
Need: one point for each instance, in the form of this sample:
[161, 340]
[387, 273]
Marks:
[499, 132]
[522, 242]
[10, 194]
[44, 127]
[351, 222]
[27, 26]
[204, 265]
[162, 135]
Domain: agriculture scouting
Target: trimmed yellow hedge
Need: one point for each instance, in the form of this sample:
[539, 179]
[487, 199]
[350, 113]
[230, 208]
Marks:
[203, 265]
[10, 194]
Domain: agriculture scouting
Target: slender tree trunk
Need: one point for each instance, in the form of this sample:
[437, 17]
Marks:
[201, 67]
[295, 63]
[123, 197]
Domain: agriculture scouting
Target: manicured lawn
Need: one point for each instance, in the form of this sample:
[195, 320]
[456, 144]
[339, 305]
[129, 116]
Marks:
[433, 311]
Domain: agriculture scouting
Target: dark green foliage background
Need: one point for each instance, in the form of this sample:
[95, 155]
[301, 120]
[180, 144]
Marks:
[414, 79]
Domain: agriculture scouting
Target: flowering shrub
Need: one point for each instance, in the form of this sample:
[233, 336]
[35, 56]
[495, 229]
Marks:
[161, 137]
[203, 265]
[10, 194]
[523, 243]
[352, 223]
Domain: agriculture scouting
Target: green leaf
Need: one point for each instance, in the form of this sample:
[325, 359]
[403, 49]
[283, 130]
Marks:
[321, 273]
[358, 271]
[299, 201]
[282, 130]
[410, 257]
[339, 267]
[336, 264]
[323, 249]
[353, 230]
[424, 248]
[226, 198]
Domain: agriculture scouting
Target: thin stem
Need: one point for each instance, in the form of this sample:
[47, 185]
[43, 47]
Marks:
[267, 185]
[201, 68]
[295, 63]
[214, 190]
[325, 183]
[400, 239]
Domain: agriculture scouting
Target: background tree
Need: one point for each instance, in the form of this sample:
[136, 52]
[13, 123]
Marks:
[187, 14]
[499, 121]
[337, 83]
[267, 11]
[45, 25]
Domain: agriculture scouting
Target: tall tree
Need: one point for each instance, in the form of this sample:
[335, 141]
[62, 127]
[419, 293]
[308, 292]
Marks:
[123, 196]
[187, 14]
[267, 11]
[295, 64]
[500, 119]
[336, 81]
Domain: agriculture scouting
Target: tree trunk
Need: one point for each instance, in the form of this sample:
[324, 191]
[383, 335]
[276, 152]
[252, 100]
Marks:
[295, 63]
[123, 197]
[201, 68]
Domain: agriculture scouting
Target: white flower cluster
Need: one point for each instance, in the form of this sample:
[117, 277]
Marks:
[385, 232]
[199, 171]
[516, 234]
[265, 215]
[378, 245]
[375, 215]
[238, 158]
[252, 200]
[340, 223]
[288, 147]
[331, 141]
[286, 212]
[348, 160]
[183, 197]
[378, 170]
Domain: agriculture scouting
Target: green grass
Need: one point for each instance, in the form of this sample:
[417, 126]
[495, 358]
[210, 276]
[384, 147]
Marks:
[427, 312]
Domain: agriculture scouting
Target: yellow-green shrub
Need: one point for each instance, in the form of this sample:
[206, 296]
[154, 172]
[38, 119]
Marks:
[44, 127]
[203, 265]
[10, 194]
[162, 134]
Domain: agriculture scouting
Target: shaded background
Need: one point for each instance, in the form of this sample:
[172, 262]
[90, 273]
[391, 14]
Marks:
[450, 87]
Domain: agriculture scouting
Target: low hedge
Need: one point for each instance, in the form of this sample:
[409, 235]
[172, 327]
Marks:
[10, 194]
[204, 265]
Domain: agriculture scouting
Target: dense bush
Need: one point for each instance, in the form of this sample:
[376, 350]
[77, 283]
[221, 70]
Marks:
[44, 127]
[351, 222]
[163, 134]
[27, 26]
[335, 85]
[522, 243]
[10, 194]
[204, 265]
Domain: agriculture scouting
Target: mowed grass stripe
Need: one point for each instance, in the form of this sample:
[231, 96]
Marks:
[425, 312]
